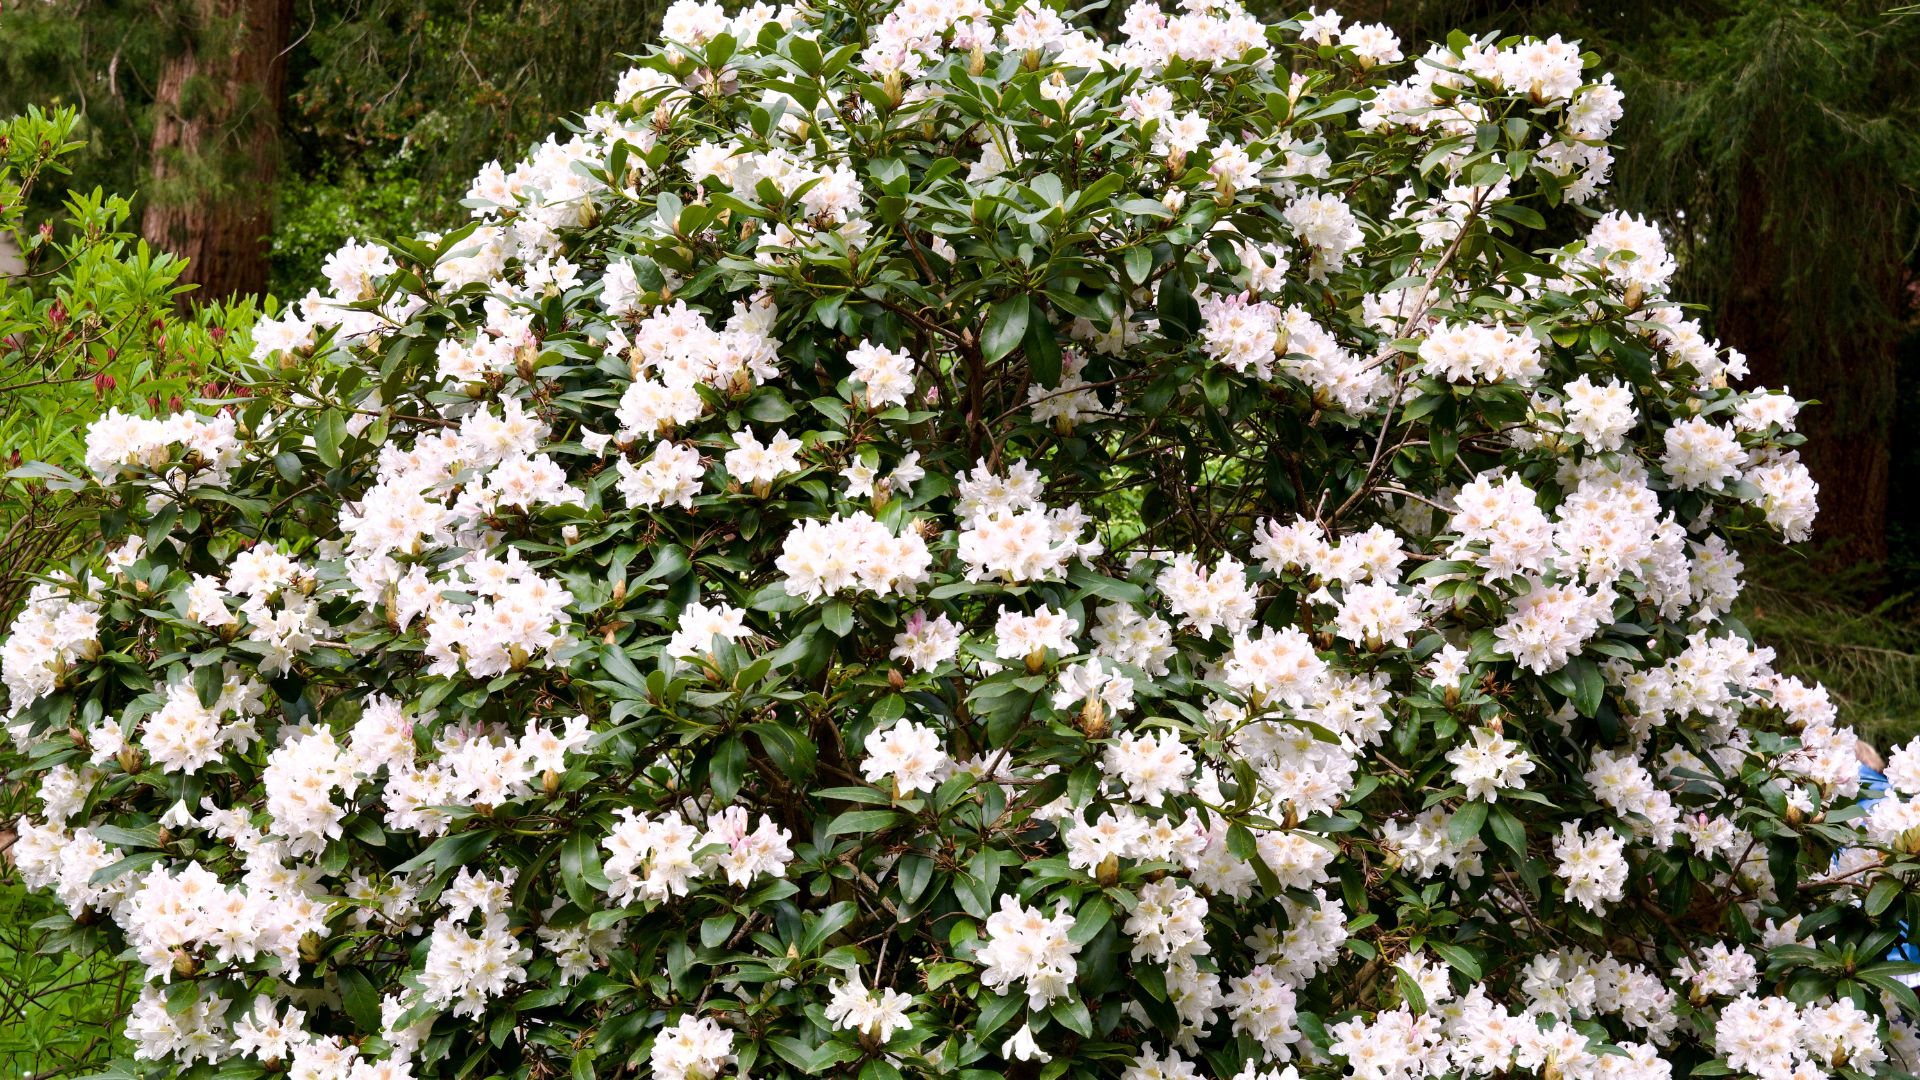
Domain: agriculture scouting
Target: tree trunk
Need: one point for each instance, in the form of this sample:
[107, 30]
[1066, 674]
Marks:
[215, 128]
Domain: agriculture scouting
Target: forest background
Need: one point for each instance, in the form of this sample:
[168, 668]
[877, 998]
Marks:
[172, 167]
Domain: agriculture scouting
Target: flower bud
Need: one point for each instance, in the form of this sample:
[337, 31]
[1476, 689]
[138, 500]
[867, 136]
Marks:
[1037, 661]
[1108, 872]
[1093, 718]
[1908, 842]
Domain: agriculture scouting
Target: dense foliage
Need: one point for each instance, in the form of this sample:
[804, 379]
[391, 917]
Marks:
[1736, 174]
[920, 541]
[87, 319]
[384, 101]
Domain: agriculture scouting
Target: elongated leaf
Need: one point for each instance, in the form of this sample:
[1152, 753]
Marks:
[1006, 326]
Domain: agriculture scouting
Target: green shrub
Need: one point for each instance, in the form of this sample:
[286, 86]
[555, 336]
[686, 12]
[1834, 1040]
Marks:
[90, 320]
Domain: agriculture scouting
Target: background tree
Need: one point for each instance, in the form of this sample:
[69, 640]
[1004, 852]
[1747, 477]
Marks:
[390, 107]
[216, 122]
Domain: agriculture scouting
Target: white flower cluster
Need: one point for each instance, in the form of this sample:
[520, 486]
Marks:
[910, 754]
[878, 1013]
[1473, 352]
[1111, 687]
[852, 552]
[1007, 532]
[209, 446]
[1027, 946]
[55, 630]
[655, 859]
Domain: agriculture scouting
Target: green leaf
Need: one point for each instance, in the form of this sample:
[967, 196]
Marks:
[792, 1051]
[1179, 311]
[791, 752]
[577, 855]
[1006, 327]
[831, 921]
[729, 769]
[1440, 568]
[126, 866]
[128, 839]
[939, 975]
[208, 681]
[1043, 351]
[669, 563]
[449, 852]
[915, 873]
[1072, 1014]
[768, 408]
[1881, 897]
[1583, 683]
[996, 1011]
[1466, 821]
[879, 1069]
[715, 929]
[862, 821]
[1508, 830]
[1457, 958]
[837, 617]
[329, 431]
[360, 998]
[1097, 584]
[1415, 997]
[619, 665]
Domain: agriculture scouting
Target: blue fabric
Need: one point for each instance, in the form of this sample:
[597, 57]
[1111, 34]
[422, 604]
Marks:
[1873, 780]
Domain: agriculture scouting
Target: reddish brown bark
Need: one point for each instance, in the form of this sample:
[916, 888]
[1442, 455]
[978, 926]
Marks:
[215, 151]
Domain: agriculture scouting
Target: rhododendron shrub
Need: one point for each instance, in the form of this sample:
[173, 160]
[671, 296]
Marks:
[920, 541]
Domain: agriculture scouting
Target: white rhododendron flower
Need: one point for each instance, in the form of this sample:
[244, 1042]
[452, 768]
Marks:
[923, 539]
